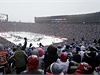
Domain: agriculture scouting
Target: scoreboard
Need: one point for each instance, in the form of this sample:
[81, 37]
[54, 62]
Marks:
[3, 17]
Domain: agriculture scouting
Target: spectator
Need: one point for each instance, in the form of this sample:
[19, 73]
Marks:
[33, 62]
[20, 59]
[83, 68]
[63, 61]
[35, 52]
[55, 68]
[41, 57]
[73, 64]
[81, 53]
[4, 56]
[67, 49]
[25, 44]
[59, 50]
[91, 57]
[50, 56]
[41, 45]
[40, 51]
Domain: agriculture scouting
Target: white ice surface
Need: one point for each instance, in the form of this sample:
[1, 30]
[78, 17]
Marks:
[34, 38]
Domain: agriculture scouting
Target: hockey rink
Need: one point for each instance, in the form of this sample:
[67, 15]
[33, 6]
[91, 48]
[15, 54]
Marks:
[34, 38]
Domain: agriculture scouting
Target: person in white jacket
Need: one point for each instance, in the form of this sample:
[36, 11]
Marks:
[81, 53]
[63, 61]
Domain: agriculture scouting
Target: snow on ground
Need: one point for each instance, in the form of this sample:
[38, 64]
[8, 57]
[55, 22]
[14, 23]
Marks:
[34, 38]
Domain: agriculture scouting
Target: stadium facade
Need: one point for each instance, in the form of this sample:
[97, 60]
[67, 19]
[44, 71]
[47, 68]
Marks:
[81, 18]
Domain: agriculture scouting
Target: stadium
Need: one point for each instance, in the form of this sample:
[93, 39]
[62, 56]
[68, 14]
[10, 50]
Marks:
[63, 26]
[74, 41]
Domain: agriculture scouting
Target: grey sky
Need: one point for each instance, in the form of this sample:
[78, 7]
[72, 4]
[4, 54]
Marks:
[26, 10]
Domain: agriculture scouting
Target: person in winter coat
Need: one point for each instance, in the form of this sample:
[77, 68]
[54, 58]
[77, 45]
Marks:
[81, 53]
[55, 69]
[23, 47]
[91, 57]
[50, 56]
[67, 49]
[29, 50]
[41, 57]
[4, 56]
[25, 44]
[63, 61]
[20, 59]
[40, 51]
[35, 52]
[33, 62]
[59, 50]
[74, 62]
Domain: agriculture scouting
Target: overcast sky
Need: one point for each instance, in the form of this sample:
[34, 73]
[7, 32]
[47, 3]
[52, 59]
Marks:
[26, 10]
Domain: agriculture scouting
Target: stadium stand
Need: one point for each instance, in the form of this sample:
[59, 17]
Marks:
[88, 63]
[88, 30]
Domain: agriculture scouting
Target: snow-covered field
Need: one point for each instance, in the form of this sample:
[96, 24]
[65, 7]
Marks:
[34, 38]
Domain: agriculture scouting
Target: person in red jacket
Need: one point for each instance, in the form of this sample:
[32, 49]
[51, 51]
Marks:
[3, 59]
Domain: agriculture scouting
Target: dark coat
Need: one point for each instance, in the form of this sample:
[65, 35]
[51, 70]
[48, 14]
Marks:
[76, 59]
[92, 59]
[50, 56]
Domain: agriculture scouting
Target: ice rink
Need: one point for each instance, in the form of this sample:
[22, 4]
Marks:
[34, 38]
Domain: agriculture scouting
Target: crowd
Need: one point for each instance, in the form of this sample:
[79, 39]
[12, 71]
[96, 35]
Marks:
[75, 58]
[63, 30]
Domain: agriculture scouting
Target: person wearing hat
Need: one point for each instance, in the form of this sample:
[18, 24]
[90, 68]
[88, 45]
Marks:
[41, 57]
[55, 68]
[64, 61]
[50, 56]
[32, 68]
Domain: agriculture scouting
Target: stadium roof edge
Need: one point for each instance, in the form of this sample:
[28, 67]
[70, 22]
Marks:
[71, 14]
